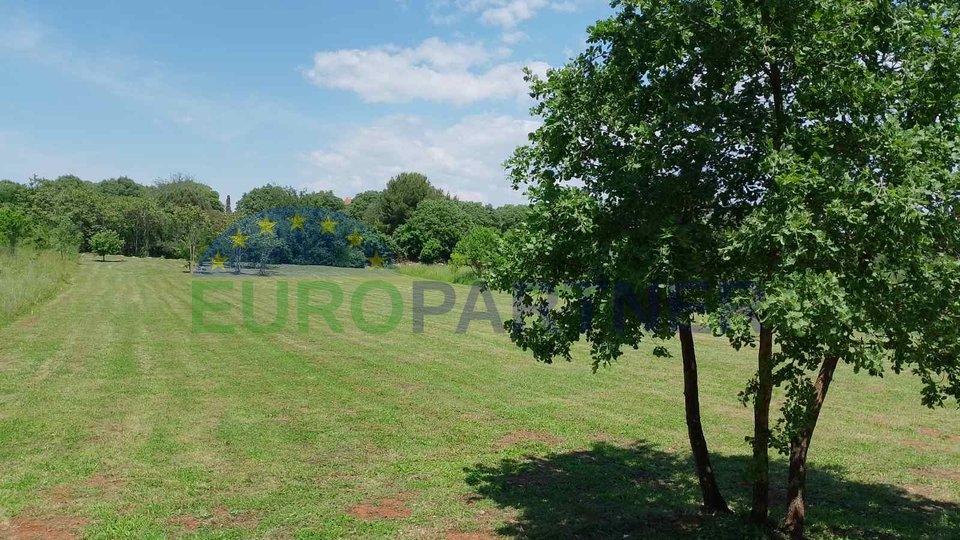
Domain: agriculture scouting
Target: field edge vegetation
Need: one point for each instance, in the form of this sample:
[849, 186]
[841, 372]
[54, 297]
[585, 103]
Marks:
[30, 277]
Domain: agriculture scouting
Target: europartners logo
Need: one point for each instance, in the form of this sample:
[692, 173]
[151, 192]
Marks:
[325, 302]
[288, 240]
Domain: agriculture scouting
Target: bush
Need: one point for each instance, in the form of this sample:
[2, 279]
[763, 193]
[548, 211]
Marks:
[479, 249]
[440, 220]
[431, 251]
[14, 226]
[106, 243]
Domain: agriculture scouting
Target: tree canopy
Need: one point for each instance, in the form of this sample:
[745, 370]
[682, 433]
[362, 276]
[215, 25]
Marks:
[322, 199]
[182, 190]
[106, 243]
[403, 194]
[809, 148]
[14, 226]
[266, 197]
[480, 249]
[433, 230]
[179, 216]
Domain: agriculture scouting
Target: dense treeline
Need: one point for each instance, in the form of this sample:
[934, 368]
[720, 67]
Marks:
[178, 217]
[68, 212]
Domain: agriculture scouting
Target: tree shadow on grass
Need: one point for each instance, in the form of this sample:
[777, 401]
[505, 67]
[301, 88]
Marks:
[639, 491]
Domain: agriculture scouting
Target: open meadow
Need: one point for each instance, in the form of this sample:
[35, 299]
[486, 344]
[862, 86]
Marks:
[119, 420]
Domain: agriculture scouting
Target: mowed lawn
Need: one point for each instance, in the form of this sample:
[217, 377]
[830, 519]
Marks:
[117, 420]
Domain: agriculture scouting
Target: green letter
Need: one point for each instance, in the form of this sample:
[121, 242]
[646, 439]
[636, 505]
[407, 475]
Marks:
[200, 306]
[248, 321]
[304, 309]
[396, 307]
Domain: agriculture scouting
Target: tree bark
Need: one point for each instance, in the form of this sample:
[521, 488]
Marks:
[761, 429]
[799, 446]
[713, 501]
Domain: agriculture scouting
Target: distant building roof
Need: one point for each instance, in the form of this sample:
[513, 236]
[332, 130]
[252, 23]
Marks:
[347, 201]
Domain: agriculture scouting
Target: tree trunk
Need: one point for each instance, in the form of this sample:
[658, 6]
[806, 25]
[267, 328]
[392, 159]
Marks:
[712, 499]
[761, 429]
[799, 446]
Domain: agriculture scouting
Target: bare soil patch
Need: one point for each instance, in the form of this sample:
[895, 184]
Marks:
[517, 437]
[391, 508]
[61, 495]
[106, 483]
[187, 523]
[922, 490]
[917, 445]
[939, 474]
[58, 527]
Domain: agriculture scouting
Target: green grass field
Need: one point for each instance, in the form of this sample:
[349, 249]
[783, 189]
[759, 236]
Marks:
[117, 420]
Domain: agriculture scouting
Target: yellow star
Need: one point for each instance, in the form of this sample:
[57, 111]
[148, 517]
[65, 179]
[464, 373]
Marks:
[239, 240]
[296, 222]
[218, 262]
[376, 261]
[355, 239]
[266, 226]
[328, 225]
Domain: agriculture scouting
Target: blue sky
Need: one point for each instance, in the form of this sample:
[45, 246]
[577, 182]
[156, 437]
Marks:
[319, 95]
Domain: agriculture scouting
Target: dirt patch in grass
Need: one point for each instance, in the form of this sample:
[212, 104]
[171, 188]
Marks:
[219, 518]
[44, 528]
[108, 486]
[606, 438]
[939, 474]
[390, 508]
[934, 434]
[223, 518]
[517, 437]
[187, 523]
[922, 490]
[916, 445]
[104, 482]
[61, 495]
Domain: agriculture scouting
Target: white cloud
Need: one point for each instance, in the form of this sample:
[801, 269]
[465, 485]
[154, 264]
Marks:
[509, 13]
[506, 14]
[434, 70]
[465, 158]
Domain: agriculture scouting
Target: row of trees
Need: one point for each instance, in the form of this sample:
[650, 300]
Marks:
[179, 216]
[420, 221]
[808, 148]
[66, 213]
